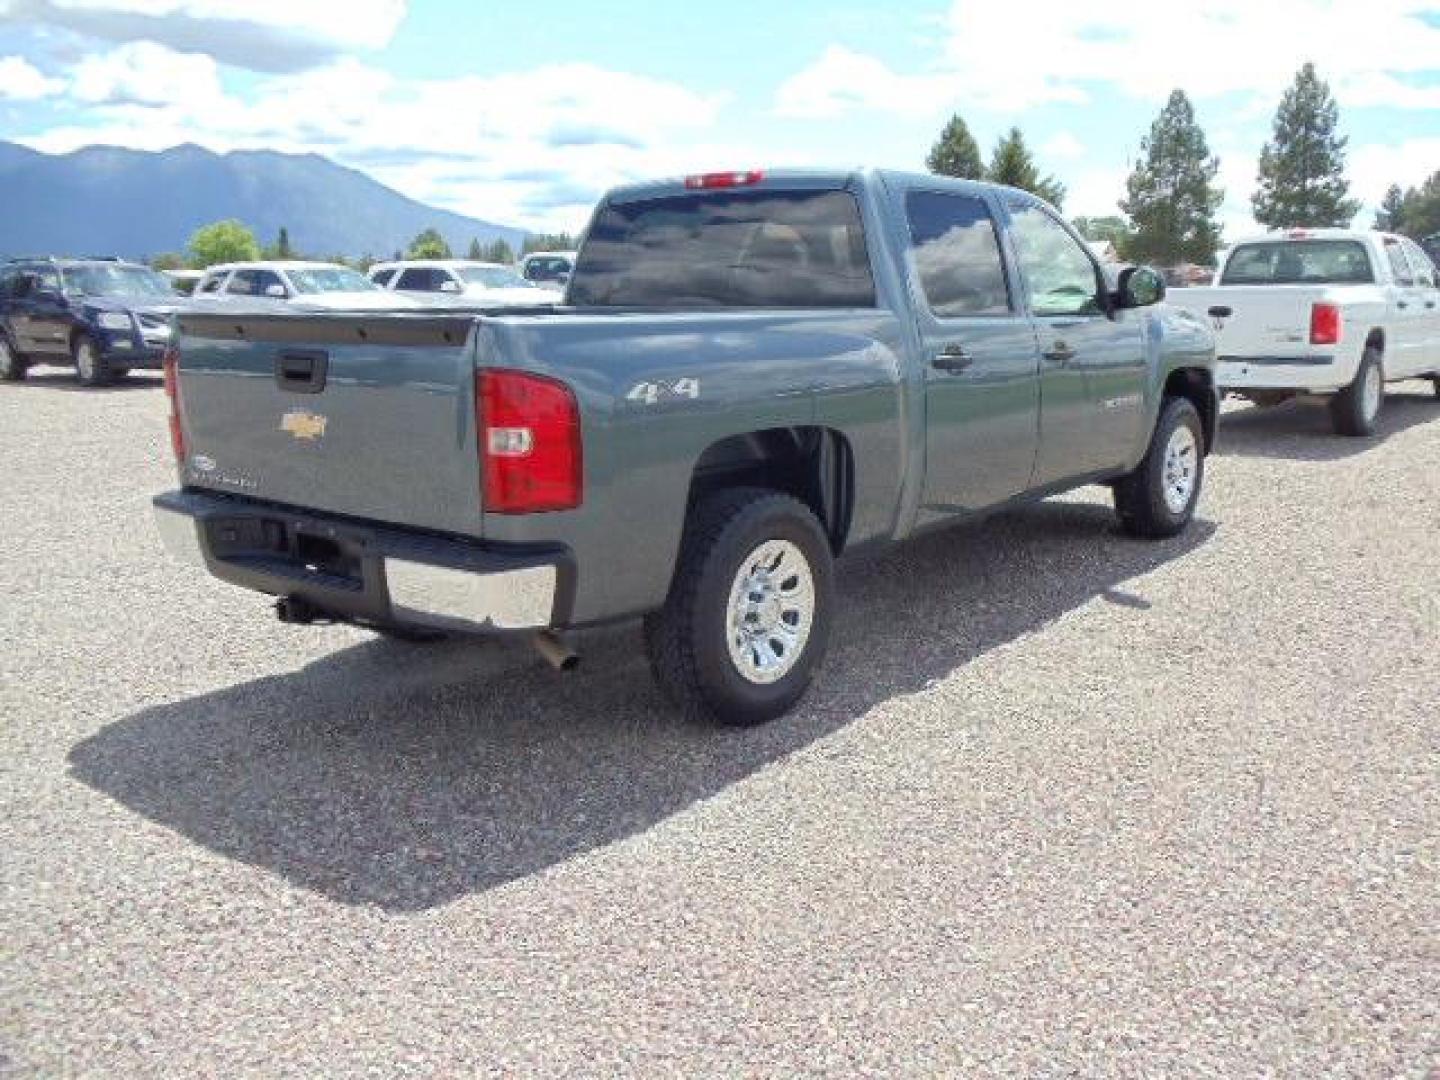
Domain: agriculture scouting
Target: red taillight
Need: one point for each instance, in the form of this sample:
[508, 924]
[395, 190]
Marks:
[171, 362]
[529, 431]
[705, 181]
[1324, 324]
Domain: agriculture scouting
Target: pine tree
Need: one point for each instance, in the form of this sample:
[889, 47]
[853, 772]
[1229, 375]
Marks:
[282, 245]
[475, 254]
[1172, 197]
[955, 153]
[1012, 164]
[1391, 215]
[1302, 167]
[499, 252]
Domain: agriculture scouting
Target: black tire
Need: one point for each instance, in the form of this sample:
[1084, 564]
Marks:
[688, 639]
[1435, 382]
[12, 367]
[1350, 410]
[117, 372]
[91, 367]
[1141, 497]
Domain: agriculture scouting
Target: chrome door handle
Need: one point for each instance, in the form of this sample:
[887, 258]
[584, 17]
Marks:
[1060, 353]
[1401, 304]
[952, 358]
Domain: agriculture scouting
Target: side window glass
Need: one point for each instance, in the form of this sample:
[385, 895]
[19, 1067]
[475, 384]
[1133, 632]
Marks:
[1421, 264]
[957, 254]
[383, 277]
[1399, 266]
[240, 283]
[212, 283]
[264, 279]
[415, 277]
[1060, 273]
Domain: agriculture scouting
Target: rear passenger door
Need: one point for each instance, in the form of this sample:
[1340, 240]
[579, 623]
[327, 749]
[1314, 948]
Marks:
[981, 396]
[420, 279]
[1404, 348]
[1092, 361]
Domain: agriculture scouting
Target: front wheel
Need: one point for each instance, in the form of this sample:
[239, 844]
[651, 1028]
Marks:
[91, 367]
[748, 616]
[1355, 409]
[12, 368]
[1158, 499]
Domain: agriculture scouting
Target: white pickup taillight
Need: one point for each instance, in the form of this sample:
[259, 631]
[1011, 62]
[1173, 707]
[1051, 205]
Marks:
[529, 435]
[1324, 324]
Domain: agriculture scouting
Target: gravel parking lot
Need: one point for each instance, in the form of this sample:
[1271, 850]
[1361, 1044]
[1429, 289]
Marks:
[1062, 803]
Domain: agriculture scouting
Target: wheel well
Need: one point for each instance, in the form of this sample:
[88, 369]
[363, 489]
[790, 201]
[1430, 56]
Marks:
[1198, 386]
[1376, 338]
[814, 464]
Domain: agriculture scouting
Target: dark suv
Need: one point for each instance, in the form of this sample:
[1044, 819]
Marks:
[103, 316]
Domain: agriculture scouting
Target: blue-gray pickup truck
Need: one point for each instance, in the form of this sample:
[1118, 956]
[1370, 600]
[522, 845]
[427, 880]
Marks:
[750, 373]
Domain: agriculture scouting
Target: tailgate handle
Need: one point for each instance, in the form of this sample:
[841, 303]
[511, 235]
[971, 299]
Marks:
[302, 371]
[1220, 311]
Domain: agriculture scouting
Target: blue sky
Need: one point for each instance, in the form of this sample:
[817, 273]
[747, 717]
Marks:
[524, 113]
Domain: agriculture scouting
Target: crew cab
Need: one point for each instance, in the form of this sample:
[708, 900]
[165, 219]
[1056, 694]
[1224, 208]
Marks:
[1333, 312]
[296, 284]
[548, 269]
[103, 316]
[754, 373]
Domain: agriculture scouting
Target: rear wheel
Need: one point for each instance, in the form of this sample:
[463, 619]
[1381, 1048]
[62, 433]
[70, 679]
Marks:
[1158, 499]
[748, 616]
[12, 368]
[1355, 409]
[90, 366]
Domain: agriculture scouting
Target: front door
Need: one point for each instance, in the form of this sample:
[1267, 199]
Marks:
[1092, 360]
[981, 396]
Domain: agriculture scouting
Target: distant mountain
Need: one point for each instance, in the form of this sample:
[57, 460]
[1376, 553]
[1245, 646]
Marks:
[112, 201]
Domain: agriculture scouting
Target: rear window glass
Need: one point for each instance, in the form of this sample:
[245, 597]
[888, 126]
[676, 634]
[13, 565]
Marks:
[1299, 262]
[755, 249]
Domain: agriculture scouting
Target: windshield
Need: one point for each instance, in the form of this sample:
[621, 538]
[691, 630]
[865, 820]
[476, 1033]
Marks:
[493, 277]
[328, 279]
[762, 249]
[1299, 262]
[107, 280]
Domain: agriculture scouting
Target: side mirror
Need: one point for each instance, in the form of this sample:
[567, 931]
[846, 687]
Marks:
[450, 286]
[1140, 286]
[277, 291]
[563, 277]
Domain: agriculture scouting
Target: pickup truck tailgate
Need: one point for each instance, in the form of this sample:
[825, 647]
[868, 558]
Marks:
[1262, 320]
[371, 417]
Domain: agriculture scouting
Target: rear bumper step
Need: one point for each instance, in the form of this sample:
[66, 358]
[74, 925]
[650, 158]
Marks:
[369, 573]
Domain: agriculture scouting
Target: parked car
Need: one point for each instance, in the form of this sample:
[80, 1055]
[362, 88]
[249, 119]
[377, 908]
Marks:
[1337, 312]
[480, 282]
[548, 269]
[758, 373]
[298, 284]
[103, 316]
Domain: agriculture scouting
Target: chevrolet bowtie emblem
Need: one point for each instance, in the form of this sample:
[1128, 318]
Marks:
[303, 425]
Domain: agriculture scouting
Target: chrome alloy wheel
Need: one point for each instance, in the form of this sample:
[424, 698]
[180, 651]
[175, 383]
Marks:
[771, 611]
[8, 362]
[1370, 392]
[1182, 462]
[85, 361]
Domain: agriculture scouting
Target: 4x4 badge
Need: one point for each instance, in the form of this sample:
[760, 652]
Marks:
[303, 425]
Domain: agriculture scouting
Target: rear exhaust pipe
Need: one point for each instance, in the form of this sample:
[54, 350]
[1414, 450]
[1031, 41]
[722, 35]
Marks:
[557, 653]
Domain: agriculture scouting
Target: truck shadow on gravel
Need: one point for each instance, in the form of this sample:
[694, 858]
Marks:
[406, 777]
[1302, 430]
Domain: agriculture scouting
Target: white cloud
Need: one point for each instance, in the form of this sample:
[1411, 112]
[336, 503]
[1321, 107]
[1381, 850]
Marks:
[532, 148]
[1373, 167]
[143, 73]
[266, 35]
[21, 80]
[1070, 51]
[1063, 147]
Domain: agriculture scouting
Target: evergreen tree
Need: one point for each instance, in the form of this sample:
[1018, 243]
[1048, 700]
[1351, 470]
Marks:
[1012, 164]
[955, 153]
[1420, 212]
[561, 241]
[1302, 167]
[1391, 215]
[429, 245]
[282, 245]
[475, 254]
[499, 252]
[1172, 197]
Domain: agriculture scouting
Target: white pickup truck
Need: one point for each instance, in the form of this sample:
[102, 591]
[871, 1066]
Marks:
[1323, 311]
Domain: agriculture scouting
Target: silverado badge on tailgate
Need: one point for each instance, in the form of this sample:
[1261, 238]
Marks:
[303, 425]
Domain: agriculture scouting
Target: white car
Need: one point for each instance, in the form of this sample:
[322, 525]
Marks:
[297, 284]
[462, 279]
[549, 269]
[1336, 312]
